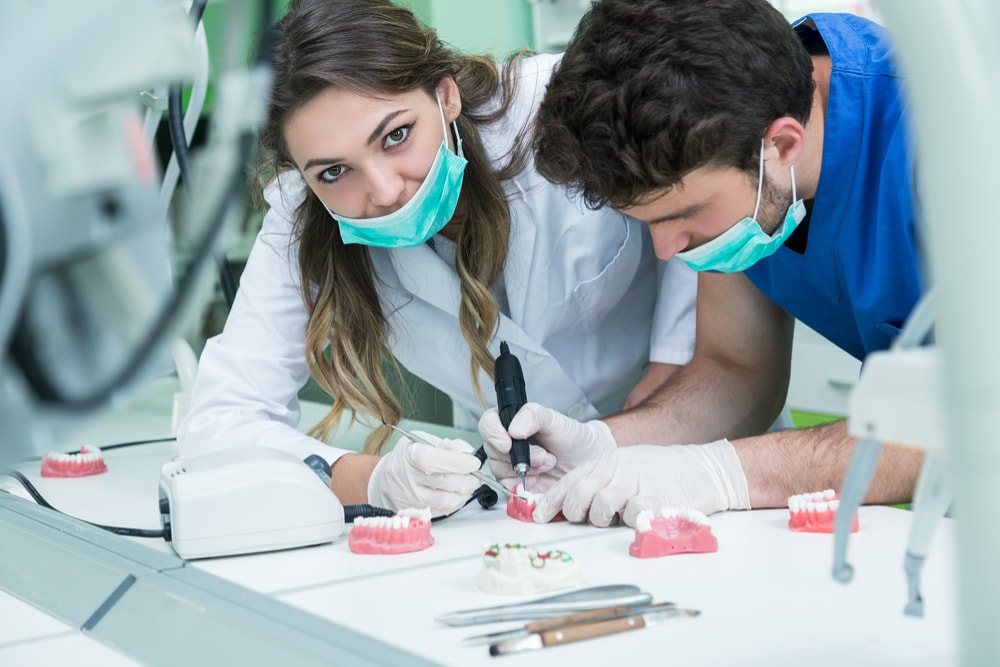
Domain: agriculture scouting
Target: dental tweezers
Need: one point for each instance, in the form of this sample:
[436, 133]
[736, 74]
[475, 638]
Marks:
[596, 597]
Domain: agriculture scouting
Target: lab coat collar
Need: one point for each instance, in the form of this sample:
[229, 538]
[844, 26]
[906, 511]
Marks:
[426, 276]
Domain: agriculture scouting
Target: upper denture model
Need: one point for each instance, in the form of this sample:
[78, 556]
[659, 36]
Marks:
[516, 569]
[672, 531]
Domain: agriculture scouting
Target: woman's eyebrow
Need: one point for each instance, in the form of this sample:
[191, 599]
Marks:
[379, 129]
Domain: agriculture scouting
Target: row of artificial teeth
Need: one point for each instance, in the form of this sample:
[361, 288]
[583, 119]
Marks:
[86, 455]
[819, 501]
[814, 502]
[396, 522]
[416, 514]
[524, 494]
[644, 520]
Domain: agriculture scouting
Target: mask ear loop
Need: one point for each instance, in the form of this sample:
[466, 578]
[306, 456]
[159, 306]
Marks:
[454, 127]
[791, 167]
[760, 180]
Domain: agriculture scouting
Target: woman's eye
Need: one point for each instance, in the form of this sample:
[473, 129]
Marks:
[397, 136]
[331, 174]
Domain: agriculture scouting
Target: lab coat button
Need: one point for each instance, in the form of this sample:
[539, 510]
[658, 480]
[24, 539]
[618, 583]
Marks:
[575, 410]
[534, 357]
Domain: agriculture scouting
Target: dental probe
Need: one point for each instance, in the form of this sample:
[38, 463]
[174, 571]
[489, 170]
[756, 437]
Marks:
[509, 382]
[497, 487]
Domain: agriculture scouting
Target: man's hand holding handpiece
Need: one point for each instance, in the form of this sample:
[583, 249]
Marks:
[584, 474]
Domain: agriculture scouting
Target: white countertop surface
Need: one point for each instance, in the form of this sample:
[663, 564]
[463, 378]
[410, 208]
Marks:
[766, 597]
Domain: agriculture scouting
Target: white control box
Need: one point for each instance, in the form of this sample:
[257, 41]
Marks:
[245, 500]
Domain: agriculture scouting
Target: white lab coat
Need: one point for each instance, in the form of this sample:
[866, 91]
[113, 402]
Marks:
[589, 304]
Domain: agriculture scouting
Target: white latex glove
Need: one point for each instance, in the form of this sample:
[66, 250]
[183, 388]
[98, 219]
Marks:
[417, 475]
[708, 478]
[558, 444]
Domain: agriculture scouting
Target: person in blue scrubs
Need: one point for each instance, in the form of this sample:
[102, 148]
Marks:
[776, 160]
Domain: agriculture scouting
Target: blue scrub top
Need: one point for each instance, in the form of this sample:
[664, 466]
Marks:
[860, 274]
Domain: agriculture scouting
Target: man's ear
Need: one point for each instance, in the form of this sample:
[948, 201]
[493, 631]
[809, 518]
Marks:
[451, 99]
[787, 137]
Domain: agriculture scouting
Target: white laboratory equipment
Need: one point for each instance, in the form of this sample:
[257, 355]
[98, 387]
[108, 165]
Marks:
[948, 51]
[245, 500]
[899, 399]
[87, 296]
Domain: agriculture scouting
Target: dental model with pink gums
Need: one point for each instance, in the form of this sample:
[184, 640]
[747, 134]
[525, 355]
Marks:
[673, 531]
[815, 512]
[409, 530]
[521, 505]
[516, 569]
[88, 461]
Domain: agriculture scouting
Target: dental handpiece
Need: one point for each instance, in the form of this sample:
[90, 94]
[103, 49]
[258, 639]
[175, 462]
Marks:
[509, 382]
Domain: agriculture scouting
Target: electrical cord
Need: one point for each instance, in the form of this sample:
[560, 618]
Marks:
[119, 445]
[38, 498]
[486, 496]
[179, 141]
[351, 512]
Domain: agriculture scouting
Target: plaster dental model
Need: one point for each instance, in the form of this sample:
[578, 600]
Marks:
[516, 569]
[409, 530]
[673, 531]
[521, 505]
[88, 461]
[815, 512]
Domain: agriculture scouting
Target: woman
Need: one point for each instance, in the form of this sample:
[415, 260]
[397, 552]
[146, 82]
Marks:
[406, 218]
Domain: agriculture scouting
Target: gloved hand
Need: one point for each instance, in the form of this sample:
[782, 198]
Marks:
[708, 478]
[558, 444]
[416, 475]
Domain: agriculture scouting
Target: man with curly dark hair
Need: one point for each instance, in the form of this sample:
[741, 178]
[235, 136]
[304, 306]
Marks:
[774, 159]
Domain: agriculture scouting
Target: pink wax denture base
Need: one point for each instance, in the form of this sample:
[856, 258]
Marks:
[88, 461]
[521, 506]
[815, 512]
[673, 531]
[408, 530]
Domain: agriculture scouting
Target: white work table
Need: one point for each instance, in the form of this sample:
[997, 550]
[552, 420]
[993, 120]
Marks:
[766, 597]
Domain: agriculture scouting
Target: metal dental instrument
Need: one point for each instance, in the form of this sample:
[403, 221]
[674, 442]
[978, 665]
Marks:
[934, 494]
[858, 477]
[499, 488]
[597, 597]
[509, 383]
[580, 631]
[591, 616]
[910, 369]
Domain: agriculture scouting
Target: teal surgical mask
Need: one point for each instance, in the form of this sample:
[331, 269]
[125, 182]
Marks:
[427, 212]
[745, 243]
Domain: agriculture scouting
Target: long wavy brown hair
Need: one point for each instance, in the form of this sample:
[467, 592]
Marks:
[376, 48]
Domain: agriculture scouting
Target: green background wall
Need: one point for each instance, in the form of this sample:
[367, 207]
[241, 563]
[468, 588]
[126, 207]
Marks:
[497, 27]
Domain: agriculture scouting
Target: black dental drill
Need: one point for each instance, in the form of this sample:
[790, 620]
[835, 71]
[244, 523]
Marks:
[509, 382]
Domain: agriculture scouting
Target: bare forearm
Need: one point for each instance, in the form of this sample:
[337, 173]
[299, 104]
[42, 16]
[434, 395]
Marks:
[349, 477]
[785, 463]
[735, 384]
[700, 402]
[655, 377]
